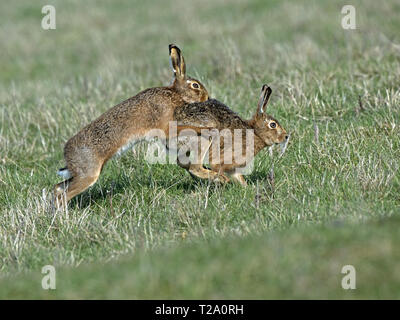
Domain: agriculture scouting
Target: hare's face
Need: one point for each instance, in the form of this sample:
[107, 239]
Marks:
[192, 90]
[266, 127]
[269, 129]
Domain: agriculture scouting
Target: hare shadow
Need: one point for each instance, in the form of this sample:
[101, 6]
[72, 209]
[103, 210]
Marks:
[111, 187]
[257, 177]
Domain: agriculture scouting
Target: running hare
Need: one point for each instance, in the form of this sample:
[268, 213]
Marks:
[212, 114]
[128, 122]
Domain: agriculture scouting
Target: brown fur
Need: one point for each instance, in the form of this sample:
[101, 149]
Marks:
[87, 152]
[214, 114]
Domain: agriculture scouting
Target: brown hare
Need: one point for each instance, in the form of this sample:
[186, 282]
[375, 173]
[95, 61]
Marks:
[128, 122]
[203, 117]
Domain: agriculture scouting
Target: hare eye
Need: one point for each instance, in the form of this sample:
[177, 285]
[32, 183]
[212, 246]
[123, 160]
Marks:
[195, 85]
[272, 125]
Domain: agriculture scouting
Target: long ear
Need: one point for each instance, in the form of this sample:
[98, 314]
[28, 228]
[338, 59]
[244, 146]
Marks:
[264, 97]
[177, 62]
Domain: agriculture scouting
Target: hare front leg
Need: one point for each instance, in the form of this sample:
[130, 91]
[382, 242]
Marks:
[238, 177]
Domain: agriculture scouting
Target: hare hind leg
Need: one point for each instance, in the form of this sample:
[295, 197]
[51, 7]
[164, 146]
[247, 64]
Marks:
[203, 173]
[68, 189]
[80, 184]
[199, 171]
[59, 194]
[81, 180]
[201, 145]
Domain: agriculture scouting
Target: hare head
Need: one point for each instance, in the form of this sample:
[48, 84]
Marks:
[191, 90]
[265, 126]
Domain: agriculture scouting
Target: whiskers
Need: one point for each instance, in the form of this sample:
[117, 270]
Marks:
[283, 145]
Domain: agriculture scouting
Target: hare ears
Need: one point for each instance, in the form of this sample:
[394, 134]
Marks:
[264, 97]
[177, 62]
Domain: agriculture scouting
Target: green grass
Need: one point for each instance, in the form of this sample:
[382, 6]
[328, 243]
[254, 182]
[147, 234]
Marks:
[52, 83]
[302, 263]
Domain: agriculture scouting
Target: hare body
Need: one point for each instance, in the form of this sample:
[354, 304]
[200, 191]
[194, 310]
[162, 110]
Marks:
[213, 114]
[128, 122]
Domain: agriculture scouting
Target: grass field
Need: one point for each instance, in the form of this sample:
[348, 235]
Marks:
[151, 231]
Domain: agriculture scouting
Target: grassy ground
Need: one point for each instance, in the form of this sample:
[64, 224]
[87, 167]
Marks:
[341, 167]
[301, 263]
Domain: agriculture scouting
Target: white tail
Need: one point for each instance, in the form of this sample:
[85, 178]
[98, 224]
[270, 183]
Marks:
[64, 173]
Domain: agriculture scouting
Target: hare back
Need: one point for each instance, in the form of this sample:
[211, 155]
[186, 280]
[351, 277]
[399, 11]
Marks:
[127, 122]
[211, 113]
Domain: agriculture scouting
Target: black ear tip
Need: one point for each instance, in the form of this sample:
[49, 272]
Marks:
[172, 46]
[266, 90]
[266, 87]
